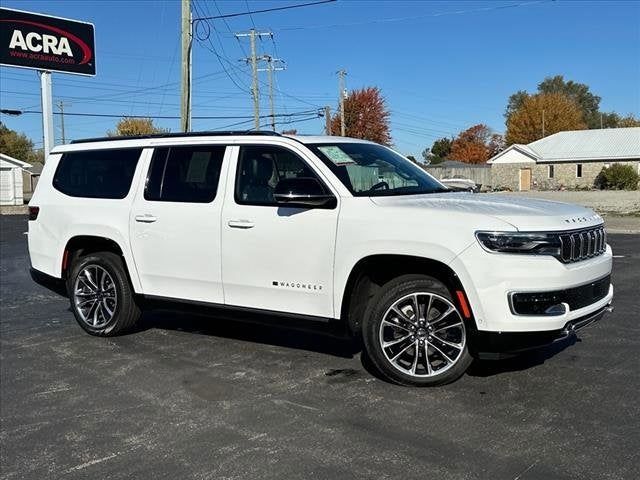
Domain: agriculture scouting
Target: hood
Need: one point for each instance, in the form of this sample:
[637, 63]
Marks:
[523, 213]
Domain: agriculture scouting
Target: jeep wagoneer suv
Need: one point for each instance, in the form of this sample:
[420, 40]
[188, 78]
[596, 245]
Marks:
[320, 228]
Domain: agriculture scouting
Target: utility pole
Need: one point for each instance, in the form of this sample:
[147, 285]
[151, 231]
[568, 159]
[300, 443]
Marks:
[253, 59]
[600, 121]
[542, 123]
[62, 136]
[327, 120]
[272, 67]
[186, 41]
[341, 75]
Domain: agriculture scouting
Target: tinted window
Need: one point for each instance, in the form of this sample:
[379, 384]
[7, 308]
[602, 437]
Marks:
[261, 167]
[184, 174]
[368, 169]
[97, 173]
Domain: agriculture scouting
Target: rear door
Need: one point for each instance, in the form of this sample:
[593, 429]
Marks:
[175, 223]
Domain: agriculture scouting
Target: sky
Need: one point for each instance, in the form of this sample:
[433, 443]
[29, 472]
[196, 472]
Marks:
[441, 66]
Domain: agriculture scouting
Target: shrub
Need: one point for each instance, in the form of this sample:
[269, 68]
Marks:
[618, 177]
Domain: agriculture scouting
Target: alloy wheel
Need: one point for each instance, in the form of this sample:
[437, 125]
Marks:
[422, 334]
[95, 297]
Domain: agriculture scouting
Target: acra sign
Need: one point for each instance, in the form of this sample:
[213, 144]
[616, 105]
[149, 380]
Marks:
[34, 42]
[48, 43]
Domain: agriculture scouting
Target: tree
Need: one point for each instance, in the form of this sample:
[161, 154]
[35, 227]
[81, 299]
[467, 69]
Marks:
[128, 126]
[473, 145]
[15, 144]
[366, 116]
[588, 102]
[560, 114]
[496, 144]
[438, 152]
[628, 121]
[412, 158]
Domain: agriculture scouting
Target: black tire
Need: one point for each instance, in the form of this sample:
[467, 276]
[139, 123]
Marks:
[126, 312]
[388, 295]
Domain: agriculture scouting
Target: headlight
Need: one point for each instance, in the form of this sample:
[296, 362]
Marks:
[517, 242]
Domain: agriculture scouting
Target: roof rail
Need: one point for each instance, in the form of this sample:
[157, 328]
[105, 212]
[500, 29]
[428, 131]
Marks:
[180, 135]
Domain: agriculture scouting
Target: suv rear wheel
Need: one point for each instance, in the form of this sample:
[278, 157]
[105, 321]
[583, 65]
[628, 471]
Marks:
[414, 333]
[101, 296]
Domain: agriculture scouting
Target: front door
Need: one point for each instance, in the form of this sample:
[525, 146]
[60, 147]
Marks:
[175, 223]
[525, 179]
[273, 257]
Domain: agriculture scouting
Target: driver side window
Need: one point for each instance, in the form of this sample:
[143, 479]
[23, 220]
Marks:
[260, 168]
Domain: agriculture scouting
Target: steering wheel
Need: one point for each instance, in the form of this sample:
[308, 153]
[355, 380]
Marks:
[380, 185]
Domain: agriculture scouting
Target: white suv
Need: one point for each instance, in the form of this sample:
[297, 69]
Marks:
[319, 228]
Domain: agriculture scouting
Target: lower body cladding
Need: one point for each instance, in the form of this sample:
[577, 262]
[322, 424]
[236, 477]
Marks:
[522, 302]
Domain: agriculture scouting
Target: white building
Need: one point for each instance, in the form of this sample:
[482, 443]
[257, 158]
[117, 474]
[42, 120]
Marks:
[569, 159]
[11, 187]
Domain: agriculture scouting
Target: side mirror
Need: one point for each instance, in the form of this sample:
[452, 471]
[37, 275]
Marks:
[304, 193]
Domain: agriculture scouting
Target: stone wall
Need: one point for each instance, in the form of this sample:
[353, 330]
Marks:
[507, 175]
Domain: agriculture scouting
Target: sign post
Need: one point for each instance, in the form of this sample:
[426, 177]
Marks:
[48, 44]
[47, 111]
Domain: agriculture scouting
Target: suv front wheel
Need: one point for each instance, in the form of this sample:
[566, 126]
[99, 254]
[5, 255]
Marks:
[101, 296]
[414, 333]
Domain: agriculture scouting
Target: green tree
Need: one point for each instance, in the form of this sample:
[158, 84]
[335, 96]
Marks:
[628, 121]
[579, 93]
[15, 144]
[128, 126]
[438, 152]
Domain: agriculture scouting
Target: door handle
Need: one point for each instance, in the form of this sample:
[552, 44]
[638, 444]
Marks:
[241, 224]
[146, 218]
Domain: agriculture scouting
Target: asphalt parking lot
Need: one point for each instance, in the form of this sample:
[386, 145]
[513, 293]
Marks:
[196, 397]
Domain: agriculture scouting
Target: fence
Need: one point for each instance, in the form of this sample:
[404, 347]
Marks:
[480, 175]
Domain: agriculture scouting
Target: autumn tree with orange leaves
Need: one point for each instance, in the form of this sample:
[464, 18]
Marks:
[560, 113]
[366, 116]
[476, 145]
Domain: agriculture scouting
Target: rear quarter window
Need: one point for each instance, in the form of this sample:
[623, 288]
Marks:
[97, 173]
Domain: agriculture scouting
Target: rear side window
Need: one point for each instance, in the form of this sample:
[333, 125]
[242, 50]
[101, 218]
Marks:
[97, 173]
[184, 174]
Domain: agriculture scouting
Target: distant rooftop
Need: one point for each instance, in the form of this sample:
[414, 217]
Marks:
[583, 145]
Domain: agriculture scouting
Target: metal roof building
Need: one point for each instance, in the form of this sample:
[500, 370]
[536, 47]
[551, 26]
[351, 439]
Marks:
[570, 159]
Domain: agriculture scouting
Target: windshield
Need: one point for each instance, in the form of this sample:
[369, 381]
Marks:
[367, 169]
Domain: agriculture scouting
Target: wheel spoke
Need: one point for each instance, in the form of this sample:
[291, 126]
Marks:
[416, 308]
[458, 324]
[444, 315]
[395, 325]
[446, 342]
[106, 307]
[90, 280]
[415, 358]
[395, 342]
[426, 357]
[441, 352]
[401, 315]
[401, 352]
[84, 302]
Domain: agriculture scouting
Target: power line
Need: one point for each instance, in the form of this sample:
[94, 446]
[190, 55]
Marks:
[238, 14]
[415, 17]
[159, 117]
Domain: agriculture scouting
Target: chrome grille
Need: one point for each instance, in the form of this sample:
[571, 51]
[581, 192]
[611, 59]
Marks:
[582, 244]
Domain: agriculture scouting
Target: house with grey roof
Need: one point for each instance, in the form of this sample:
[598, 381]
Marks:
[571, 159]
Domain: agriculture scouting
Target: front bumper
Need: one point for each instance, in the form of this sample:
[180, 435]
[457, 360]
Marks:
[499, 345]
[490, 278]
